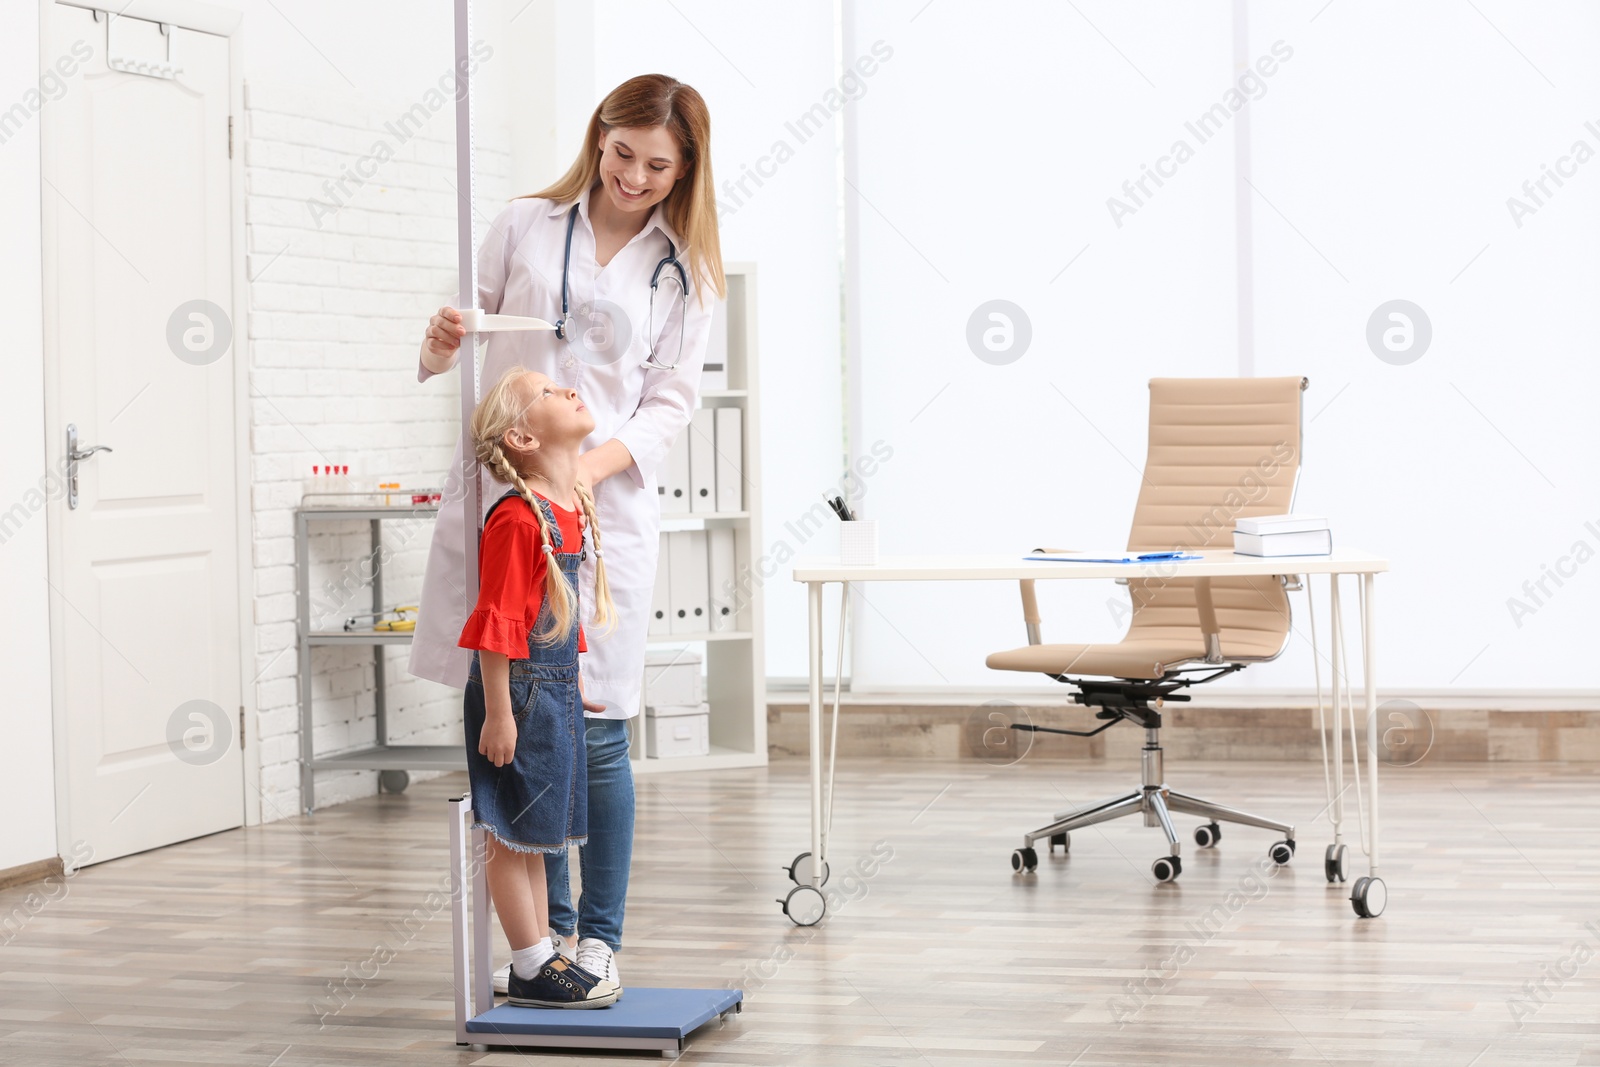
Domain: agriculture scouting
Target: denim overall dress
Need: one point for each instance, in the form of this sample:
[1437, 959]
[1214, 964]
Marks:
[539, 801]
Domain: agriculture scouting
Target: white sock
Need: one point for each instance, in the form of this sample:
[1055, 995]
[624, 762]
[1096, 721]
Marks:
[527, 961]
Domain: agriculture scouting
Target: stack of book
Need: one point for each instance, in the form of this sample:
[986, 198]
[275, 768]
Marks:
[1282, 535]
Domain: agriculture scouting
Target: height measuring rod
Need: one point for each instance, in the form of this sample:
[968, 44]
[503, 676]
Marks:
[473, 319]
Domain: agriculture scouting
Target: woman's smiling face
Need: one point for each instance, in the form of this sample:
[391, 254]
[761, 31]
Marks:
[638, 165]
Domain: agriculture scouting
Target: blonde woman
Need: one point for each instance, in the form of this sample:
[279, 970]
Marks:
[522, 712]
[637, 205]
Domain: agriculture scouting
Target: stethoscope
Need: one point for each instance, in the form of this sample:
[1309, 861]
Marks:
[655, 280]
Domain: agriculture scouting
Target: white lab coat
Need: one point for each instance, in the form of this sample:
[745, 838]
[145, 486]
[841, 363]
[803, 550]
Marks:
[519, 273]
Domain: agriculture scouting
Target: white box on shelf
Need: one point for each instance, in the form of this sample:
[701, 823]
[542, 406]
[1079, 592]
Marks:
[687, 585]
[730, 459]
[724, 587]
[673, 679]
[702, 460]
[676, 730]
[674, 485]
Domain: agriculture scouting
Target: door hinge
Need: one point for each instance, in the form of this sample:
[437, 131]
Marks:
[241, 727]
[230, 136]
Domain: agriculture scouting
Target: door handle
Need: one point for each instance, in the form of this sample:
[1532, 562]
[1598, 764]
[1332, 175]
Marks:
[74, 455]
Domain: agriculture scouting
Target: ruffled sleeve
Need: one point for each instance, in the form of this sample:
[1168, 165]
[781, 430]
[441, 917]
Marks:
[510, 589]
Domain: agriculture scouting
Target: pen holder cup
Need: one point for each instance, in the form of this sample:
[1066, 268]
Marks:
[858, 543]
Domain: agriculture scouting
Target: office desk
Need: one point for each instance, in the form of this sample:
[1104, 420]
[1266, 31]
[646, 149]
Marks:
[806, 905]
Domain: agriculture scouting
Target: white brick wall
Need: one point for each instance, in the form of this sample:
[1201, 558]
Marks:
[342, 281]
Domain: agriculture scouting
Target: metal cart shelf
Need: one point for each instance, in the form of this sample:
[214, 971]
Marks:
[393, 760]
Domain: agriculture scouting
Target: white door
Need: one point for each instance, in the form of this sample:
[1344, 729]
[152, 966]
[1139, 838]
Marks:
[144, 572]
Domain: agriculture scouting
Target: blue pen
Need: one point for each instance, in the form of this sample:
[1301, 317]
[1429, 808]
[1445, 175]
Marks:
[1151, 556]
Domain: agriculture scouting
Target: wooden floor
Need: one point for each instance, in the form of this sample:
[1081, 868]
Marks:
[222, 950]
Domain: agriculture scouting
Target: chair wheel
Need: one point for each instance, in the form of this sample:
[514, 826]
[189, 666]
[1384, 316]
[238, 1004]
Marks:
[1024, 861]
[1282, 853]
[1207, 835]
[1368, 896]
[800, 864]
[1063, 839]
[1166, 868]
[1335, 863]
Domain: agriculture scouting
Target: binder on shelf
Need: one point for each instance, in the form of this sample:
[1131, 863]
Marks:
[659, 623]
[714, 376]
[686, 584]
[722, 569]
[702, 460]
[674, 484]
[730, 459]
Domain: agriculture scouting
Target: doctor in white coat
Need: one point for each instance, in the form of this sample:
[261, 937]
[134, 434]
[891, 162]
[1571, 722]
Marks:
[638, 204]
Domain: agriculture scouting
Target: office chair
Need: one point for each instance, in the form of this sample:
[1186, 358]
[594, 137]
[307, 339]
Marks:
[1219, 449]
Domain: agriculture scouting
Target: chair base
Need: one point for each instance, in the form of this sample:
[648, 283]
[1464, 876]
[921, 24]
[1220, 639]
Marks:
[1157, 803]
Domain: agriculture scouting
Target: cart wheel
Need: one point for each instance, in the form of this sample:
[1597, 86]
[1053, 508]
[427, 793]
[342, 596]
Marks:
[1281, 853]
[1166, 868]
[1336, 863]
[1207, 835]
[804, 905]
[1368, 897]
[393, 781]
[800, 864]
[1063, 839]
[1024, 861]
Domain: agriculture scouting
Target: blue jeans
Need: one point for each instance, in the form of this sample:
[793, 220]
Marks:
[603, 863]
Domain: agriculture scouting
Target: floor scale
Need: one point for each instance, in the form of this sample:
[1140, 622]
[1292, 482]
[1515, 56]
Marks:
[644, 1018]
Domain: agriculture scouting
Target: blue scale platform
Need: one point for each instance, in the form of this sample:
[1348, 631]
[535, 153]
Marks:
[662, 1014]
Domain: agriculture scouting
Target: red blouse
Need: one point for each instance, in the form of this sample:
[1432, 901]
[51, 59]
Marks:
[511, 574]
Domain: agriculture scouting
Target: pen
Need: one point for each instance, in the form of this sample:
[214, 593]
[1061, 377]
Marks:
[838, 507]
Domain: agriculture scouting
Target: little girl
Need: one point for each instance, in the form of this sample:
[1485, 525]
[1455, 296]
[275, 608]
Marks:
[523, 705]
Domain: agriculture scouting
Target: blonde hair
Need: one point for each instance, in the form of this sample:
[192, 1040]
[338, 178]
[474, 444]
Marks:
[691, 208]
[501, 410]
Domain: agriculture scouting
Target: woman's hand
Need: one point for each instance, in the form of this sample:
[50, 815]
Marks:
[444, 334]
[588, 705]
[499, 738]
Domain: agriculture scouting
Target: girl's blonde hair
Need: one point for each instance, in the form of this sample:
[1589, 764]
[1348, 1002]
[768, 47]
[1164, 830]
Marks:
[501, 410]
[691, 208]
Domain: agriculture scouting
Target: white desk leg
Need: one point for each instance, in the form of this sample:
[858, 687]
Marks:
[1370, 677]
[814, 591]
[1369, 895]
[1335, 650]
[805, 903]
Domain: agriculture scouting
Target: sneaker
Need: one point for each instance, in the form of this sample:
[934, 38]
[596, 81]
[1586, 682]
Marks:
[561, 983]
[596, 957]
[566, 946]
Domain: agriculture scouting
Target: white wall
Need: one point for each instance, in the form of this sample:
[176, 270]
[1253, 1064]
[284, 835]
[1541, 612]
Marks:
[27, 779]
[1382, 148]
[1472, 467]
[986, 157]
[342, 284]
